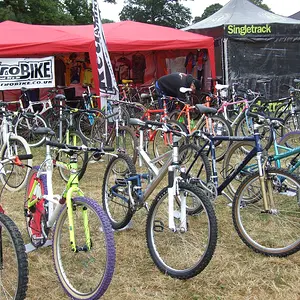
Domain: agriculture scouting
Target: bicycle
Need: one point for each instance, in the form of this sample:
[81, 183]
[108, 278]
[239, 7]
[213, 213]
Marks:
[171, 228]
[255, 203]
[26, 119]
[13, 175]
[66, 131]
[83, 243]
[213, 124]
[109, 129]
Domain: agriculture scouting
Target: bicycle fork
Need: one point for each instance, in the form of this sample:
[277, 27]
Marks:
[174, 193]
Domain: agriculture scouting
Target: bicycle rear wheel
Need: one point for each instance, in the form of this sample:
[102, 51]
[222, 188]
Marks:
[25, 128]
[274, 232]
[117, 208]
[76, 139]
[221, 127]
[163, 141]
[234, 156]
[290, 140]
[185, 253]
[13, 261]
[87, 273]
[36, 217]
[126, 142]
[12, 176]
[86, 120]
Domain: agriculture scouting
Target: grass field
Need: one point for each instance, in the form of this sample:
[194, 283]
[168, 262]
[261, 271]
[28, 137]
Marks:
[235, 271]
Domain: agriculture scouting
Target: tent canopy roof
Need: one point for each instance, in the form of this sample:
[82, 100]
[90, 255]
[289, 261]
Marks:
[240, 12]
[24, 39]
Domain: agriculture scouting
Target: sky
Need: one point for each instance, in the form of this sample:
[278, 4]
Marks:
[197, 7]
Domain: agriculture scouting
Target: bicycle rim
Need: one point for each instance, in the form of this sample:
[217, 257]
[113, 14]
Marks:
[85, 274]
[181, 254]
[25, 126]
[274, 232]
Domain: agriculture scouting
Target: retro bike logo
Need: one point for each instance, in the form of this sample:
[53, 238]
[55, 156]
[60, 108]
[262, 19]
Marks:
[26, 71]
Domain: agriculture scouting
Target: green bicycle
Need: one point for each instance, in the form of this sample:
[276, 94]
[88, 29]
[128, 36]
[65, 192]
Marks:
[83, 242]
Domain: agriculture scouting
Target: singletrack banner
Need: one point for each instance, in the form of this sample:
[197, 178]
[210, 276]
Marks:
[107, 80]
[16, 73]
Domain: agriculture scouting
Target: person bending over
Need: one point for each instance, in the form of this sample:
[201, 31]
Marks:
[169, 85]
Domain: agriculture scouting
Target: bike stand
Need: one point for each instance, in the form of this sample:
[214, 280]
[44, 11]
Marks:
[29, 247]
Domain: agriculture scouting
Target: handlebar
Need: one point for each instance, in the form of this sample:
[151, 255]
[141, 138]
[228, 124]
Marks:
[102, 150]
[261, 118]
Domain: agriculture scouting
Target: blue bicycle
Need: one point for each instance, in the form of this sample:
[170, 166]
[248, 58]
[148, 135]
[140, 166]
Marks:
[266, 205]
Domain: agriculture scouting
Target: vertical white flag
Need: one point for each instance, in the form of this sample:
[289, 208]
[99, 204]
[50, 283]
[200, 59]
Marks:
[107, 80]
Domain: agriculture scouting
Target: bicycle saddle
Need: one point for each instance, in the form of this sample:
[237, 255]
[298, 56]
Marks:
[221, 86]
[263, 80]
[206, 110]
[60, 97]
[135, 121]
[184, 90]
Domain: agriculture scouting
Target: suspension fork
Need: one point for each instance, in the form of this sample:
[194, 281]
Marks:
[173, 192]
[264, 182]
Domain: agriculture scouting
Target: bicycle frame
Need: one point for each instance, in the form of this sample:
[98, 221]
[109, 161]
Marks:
[56, 202]
[225, 104]
[170, 165]
[256, 151]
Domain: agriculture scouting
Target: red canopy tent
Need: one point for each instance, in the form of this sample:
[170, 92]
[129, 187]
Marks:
[25, 40]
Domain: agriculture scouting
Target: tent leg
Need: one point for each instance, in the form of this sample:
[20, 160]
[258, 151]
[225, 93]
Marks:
[225, 44]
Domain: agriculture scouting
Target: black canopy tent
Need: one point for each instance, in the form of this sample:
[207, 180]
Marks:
[252, 43]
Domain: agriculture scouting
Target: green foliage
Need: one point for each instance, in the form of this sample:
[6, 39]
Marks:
[260, 4]
[56, 12]
[107, 21]
[159, 12]
[210, 10]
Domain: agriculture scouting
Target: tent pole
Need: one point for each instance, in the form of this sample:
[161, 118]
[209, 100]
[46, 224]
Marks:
[225, 44]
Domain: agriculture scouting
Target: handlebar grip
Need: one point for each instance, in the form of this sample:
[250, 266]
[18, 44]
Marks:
[62, 146]
[108, 149]
[256, 115]
[25, 156]
[154, 123]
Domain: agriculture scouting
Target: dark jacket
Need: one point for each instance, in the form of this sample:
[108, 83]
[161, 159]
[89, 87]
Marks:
[170, 84]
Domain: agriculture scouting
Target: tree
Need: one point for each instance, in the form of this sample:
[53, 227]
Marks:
[159, 12]
[46, 11]
[80, 10]
[260, 4]
[107, 21]
[210, 10]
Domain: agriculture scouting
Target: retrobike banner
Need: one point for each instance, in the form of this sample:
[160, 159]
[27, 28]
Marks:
[107, 80]
[16, 73]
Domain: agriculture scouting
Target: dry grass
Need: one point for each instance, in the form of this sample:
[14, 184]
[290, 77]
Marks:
[235, 271]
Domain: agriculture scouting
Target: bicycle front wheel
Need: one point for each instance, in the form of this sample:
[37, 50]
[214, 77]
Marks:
[13, 261]
[184, 253]
[86, 273]
[12, 176]
[272, 232]
[25, 128]
[115, 190]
